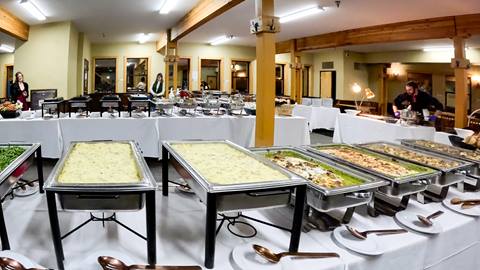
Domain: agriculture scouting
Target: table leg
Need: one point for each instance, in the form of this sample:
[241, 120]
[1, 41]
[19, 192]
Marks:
[300, 193]
[54, 224]
[210, 230]
[151, 225]
[40, 169]
[164, 171]
[3, 231]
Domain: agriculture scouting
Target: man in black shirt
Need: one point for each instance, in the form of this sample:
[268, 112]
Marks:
[418, 100]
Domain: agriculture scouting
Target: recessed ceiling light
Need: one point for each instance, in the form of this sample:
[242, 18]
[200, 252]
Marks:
[221, 40]
[33, 9]
[438, 49]
[6, 48]
[143, 38]
[301, 13]
[167, 6]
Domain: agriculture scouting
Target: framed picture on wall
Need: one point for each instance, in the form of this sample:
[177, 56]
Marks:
[424, 80]
[86, 66]
[212, 82]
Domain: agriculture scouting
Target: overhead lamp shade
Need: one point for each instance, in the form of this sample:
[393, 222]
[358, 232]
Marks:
[369, 94]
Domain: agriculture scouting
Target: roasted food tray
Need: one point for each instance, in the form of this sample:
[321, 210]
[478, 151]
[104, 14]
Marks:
[102, 196]
[400, 186]
[447, 150]
[452, 174]
[325, 199]
[10, 174]
[246, 195]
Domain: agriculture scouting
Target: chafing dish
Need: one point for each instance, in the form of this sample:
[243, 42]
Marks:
[393, 197]
[139, 103]
[323, 198]
[110, 102]
[272, 188]
[187, 106]
[79, 103]
[233, 105]
[99, 196]
[453, 171]
[164, 106]
[52, 104]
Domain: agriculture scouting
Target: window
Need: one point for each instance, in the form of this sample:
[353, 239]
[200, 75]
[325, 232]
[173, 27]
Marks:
[105, 79]
[306, 81]
[240, 77]
[86, 66]
[183, 73]
[136, 75]
[210, 74]
[279, 79]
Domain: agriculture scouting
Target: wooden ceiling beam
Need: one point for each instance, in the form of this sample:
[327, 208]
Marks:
[283, 46]
[203, 12]
[13, 26]
[434, 28]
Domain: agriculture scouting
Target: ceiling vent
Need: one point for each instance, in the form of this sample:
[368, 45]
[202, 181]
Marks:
[327, 65]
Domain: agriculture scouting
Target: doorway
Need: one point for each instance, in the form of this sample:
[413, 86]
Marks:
[328, 84]
[7, 80]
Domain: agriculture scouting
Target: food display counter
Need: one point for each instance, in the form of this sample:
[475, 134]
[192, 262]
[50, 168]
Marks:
[453, 170]
[405, 178]
[243, 181]
[330, 185]
[15, 159]
[101, 176]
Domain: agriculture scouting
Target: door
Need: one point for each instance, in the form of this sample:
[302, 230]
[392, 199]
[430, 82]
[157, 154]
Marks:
[328, 84]
[8, 80]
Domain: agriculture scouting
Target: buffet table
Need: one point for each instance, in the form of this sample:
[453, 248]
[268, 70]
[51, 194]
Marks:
[56, 134]
[317, 117]
[353, 129]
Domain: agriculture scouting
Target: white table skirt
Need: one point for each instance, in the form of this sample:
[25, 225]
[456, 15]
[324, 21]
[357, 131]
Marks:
[45, 132]
[357, 129]
[318, 117]
[56, 134]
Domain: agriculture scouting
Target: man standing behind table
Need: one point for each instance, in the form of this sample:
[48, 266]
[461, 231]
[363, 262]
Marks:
[418, 101]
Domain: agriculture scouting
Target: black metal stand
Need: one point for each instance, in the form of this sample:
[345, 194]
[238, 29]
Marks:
[431, 195]
[150, 224]
[380, 206]
[324, 221]
[3, 227]
[130, 107]
[212, 211]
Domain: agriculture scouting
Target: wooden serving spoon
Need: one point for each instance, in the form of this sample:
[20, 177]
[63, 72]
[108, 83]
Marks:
[459, 201]
[275, 257]
[12, 264]
[110, 263]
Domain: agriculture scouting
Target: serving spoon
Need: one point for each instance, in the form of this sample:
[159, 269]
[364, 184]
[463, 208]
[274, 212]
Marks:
[428, 220]
[275, 257]
[363, 235]
[110, 263]
[12, 264]
[459, 201]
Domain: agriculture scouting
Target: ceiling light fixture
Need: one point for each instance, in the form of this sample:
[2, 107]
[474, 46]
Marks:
[438, 49]
[301, 13]
[143, 38]
[33, 9]
[221, 40]
[167, 6]
[6, 48]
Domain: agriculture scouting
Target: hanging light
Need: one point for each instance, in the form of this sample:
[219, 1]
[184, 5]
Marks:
[33, 9]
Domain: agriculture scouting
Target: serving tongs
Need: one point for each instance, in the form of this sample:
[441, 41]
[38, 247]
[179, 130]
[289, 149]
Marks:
[110, 263]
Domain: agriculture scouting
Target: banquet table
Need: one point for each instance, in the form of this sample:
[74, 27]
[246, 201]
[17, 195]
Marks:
[56, 134]
[317, 116]
[354, 129]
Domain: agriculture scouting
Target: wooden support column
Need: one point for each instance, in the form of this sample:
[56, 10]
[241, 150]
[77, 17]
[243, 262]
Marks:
[293, 70]
[265, 51]
[459, 63]
[298, 80]
[170, 58]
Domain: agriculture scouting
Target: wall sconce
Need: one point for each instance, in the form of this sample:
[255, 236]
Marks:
[476, 80]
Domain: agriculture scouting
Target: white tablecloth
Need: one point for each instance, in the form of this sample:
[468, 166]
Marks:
[45, 132]
[318, 117]
[357, 129]
[56, 134]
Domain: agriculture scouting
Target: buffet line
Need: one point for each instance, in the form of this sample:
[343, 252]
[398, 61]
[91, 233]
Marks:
[315, 180]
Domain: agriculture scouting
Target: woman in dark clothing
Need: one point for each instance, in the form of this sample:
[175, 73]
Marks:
[19, 90]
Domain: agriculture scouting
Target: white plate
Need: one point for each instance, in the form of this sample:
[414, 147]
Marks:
[473, 212]
[245, 258]
[370, 246]
[411, 221]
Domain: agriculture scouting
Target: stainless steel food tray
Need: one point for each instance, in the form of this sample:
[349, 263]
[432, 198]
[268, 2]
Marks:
[27, 156]
[325, 199]
[455, 152]
[235, 196]
[399, 186]
[449, 176]
[102, 197]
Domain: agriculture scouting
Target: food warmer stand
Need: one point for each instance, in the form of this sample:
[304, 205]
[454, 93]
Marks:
[472, 181]
[79, 103]
[109, 103]
[52, 104]
[140, 102]
[220, 199]
[322, 199]
[99, 197]
[12, 174]
[388, 199]
[453, 171]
